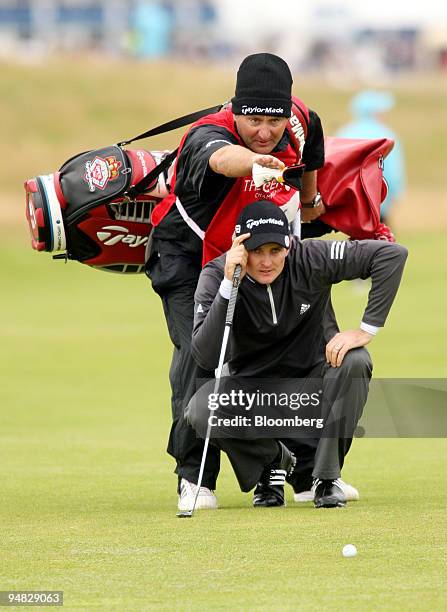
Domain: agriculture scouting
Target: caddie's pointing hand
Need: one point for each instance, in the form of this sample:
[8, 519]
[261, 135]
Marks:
[268, 161]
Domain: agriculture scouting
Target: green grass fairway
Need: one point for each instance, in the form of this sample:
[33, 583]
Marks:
[87, 492]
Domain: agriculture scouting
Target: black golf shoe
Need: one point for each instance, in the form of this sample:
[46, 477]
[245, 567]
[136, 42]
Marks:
[329, 494]
[269, 491]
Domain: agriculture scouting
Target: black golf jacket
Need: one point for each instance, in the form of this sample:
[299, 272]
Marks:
[278, 329]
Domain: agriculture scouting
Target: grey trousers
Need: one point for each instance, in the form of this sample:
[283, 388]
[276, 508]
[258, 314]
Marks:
[345, 391]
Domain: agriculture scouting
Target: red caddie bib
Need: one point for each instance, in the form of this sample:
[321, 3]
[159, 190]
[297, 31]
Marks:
[217, 237]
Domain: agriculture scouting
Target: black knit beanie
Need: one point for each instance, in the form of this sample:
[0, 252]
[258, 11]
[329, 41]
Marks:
[263, 86]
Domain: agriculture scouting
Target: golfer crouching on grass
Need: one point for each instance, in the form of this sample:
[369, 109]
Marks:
[277, 332]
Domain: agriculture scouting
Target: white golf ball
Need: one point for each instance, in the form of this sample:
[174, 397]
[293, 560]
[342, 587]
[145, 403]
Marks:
[349, 550]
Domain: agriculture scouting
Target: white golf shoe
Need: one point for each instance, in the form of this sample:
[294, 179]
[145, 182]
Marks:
[350, 492]
[206, 499]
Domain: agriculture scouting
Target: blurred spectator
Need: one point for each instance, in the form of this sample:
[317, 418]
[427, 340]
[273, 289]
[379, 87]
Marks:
[367, 108]
[152, 25]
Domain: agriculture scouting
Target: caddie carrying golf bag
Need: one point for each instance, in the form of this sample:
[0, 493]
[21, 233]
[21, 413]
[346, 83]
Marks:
[97, 208]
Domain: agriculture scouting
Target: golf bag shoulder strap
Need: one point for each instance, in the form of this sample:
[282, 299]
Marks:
[221, 118]
[224, 118]
[298, 106]
[298, 125]
[173, 124]
[135, 190]
[139, 188]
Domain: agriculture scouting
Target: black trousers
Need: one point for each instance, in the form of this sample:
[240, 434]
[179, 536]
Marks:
[174, 278]
[345, 391]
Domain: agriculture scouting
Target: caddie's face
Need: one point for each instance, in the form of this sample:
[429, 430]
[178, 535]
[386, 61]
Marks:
[260, 133]
[266, 262]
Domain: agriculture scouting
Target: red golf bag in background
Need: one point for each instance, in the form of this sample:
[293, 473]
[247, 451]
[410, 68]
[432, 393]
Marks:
[353, 188]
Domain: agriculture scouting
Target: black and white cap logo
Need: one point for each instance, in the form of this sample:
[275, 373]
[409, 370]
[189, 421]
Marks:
[265, 222]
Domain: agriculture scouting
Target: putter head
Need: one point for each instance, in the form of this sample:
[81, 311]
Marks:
[185, 514]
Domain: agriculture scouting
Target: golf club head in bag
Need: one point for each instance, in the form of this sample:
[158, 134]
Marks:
[82, 213]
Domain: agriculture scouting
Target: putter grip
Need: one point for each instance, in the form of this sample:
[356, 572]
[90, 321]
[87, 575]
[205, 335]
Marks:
[233, 296]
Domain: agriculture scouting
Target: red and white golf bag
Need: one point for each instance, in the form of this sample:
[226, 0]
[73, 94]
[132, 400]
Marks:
[97, 208]
[84, 212]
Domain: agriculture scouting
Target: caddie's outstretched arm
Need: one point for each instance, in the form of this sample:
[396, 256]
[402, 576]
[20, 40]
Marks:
[236, 161]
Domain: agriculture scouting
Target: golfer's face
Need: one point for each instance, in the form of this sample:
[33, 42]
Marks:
[266, 262]
[261, 134]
